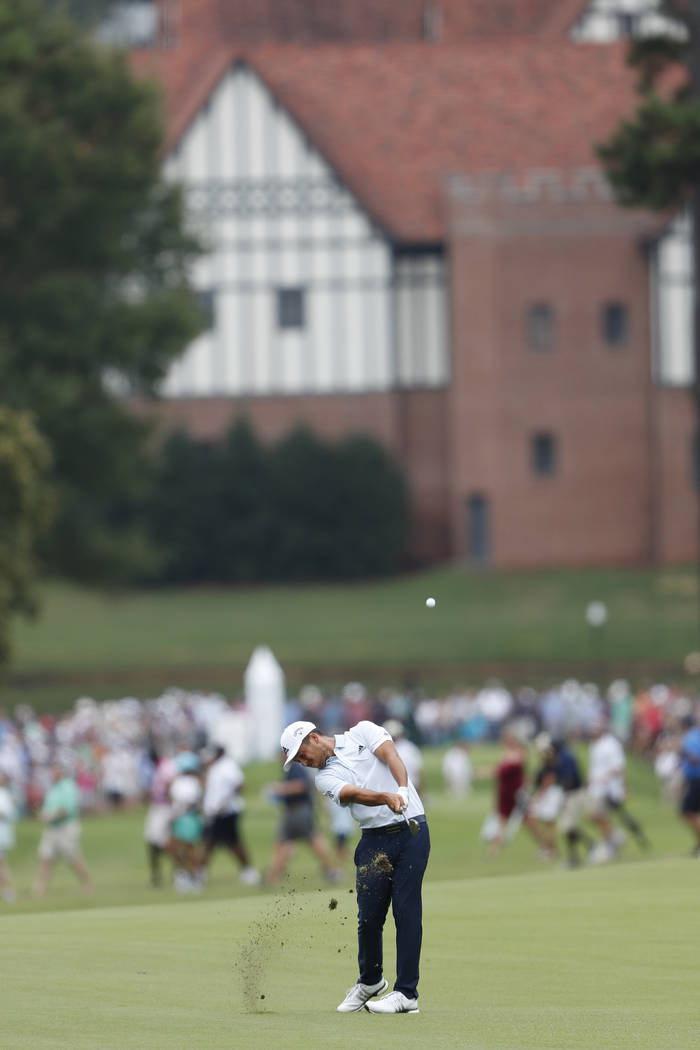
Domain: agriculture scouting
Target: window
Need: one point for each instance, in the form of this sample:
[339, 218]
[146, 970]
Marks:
[478, 528]
[290, 308]
[614, 322]
[540, 326]
[626, 23]
[207, 306]
[127, 23]
[543, 454]
[432, 23]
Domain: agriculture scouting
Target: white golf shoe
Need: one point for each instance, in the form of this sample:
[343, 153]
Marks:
[617, 841]
[359, 994]
[600, 853]
[393, 1003]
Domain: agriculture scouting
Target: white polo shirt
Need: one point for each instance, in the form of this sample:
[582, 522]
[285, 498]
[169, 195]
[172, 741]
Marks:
[222, 792]
[354, 762]
[606, 768]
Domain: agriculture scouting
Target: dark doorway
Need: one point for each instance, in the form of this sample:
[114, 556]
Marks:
[478, 530]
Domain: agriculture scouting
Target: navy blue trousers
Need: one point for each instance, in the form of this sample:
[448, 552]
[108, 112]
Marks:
[389, 869]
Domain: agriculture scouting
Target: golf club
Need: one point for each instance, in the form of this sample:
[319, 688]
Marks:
[412, 824]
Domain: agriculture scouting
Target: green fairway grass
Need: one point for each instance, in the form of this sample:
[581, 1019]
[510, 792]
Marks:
[595, 958]
[517, 953]
[522, 626]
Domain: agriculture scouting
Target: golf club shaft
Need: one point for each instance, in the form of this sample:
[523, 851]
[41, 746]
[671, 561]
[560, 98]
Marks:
[412, 824]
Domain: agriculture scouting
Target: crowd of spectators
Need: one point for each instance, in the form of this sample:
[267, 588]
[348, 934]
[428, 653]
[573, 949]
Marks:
[570, 709]
[124, 752]
[108, 746]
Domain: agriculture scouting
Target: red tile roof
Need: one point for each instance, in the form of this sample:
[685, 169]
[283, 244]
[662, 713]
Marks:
[289, 21]
[196, 35]
[562, 17]
[463, 18]
[394, 119]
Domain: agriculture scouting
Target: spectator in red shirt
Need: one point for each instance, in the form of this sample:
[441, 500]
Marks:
[509, 780]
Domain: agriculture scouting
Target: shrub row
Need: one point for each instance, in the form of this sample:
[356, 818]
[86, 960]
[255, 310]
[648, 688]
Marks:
[239, 510]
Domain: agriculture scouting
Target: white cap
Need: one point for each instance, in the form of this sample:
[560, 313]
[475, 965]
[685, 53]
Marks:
[394, 727]
[292, 738]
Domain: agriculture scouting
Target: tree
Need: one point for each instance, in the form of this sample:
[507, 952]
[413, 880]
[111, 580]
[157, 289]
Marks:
[180, 510]
[245, 508]
[25, 512]
[309, 501]
[94, 259]
[239, 510]
[653, 158]
[374, 524]
[211, 507]
[342, 508]
[87, 13]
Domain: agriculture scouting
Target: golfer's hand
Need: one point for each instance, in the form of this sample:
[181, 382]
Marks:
[395, 803]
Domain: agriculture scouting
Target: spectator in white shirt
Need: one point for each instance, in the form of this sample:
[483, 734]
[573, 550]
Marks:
[156, 830]
[222, 807]
[457, 769]
[607, 792]
[8, 816]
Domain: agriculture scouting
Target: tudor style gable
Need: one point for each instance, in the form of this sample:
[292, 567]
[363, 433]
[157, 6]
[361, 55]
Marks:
[303, 292]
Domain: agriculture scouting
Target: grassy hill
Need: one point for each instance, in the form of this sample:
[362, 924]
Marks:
[520, 626]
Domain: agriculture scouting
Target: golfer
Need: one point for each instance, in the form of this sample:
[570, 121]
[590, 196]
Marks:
[362, 769]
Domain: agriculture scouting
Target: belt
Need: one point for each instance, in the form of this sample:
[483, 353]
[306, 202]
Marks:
[395, 828]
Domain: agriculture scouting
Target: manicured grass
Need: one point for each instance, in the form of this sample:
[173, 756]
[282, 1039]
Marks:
[539, 958]
[598, 958]
[525, 626]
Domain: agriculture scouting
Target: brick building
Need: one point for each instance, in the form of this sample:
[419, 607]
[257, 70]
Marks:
[569, 440]
[409, 236]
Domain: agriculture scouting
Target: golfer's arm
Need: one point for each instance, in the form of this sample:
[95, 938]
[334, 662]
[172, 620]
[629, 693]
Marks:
[351, 793]
[388, 754]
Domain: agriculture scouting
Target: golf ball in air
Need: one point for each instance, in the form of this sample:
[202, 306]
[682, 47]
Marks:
[430, 602]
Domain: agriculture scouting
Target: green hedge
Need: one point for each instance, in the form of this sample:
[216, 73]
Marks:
[301, 509]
